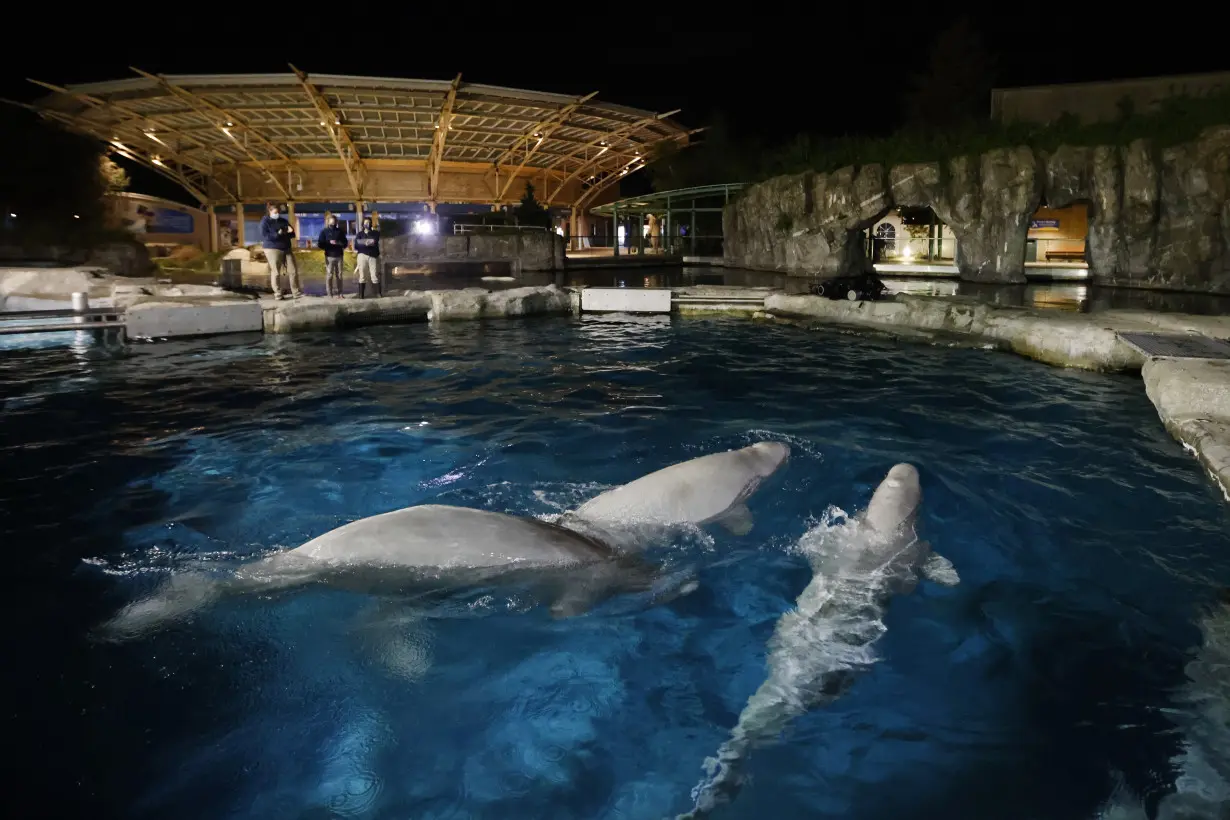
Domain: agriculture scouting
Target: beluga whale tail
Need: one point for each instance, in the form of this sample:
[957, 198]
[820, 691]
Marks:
[819, 647]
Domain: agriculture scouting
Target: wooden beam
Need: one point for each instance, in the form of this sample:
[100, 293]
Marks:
[437, 142]
[539, 132]
[612, 178]
[618, 133]
[221, 115]
[134, 117]
[153, 162]
[355, 171]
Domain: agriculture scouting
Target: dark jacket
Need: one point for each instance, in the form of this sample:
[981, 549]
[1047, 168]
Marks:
[328, 237]
[276, 233]
[368, 242]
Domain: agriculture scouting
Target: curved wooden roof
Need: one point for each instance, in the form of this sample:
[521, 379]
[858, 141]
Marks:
[252, 137]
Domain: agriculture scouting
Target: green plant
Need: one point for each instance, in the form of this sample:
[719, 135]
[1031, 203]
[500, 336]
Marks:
[114, 178]
[1175, 120]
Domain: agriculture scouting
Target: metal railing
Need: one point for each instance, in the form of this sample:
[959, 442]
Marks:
[1048, 251]
[909, 250]
[83, 317]
[465, 227]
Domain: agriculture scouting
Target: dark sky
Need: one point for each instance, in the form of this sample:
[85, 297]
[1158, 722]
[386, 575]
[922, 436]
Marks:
[772, 71]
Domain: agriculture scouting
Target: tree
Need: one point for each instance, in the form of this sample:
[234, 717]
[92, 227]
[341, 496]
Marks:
[956, 88]
[715, 158]
[115, 179]
[51, 181]
[530, 211]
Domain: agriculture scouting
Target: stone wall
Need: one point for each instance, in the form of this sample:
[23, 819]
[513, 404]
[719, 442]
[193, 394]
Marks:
[1157, 219]
[528, 250]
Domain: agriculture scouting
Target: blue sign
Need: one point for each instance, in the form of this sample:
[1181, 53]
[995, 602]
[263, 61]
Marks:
[168, 220]
[1044, 225]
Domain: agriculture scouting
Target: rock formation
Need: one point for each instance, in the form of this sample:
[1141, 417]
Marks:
[1157, 219]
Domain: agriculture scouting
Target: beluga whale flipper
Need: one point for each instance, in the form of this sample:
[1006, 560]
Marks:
[818, 647]
[578, 559]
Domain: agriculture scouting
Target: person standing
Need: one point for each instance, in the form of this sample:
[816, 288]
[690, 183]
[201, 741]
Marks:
[367, 244]
[332, 241]
[276, 235]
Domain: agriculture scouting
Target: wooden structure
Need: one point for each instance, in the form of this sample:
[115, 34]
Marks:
[250, 138]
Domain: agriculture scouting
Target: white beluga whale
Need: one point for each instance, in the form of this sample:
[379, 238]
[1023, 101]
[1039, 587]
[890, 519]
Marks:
[712, 488]
[438, 546]
[818, 647]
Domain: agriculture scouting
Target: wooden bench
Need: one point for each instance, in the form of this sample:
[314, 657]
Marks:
[1067, 256]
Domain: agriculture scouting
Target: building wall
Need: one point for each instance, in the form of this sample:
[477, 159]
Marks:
[1097, 102]
[1060, 230]
[157, 221]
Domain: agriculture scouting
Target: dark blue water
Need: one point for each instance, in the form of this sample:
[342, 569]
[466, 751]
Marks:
[1087, 542]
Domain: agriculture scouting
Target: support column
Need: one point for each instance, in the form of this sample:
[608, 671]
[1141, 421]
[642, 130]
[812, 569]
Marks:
[615, 231]
[692, 227]
[294, 223]
[640, 235]
[358, 217]
[572, 228]
[666, 230]
[211, 244]
[240, 227]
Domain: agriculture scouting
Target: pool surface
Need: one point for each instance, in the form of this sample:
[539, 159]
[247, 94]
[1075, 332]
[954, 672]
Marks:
[1087, 541]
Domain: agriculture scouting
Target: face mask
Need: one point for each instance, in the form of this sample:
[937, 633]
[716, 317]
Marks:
[273, 214]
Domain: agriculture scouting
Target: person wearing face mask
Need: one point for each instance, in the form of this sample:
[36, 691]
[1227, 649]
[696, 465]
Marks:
[332, 241]
[276, 235]
[367, 243]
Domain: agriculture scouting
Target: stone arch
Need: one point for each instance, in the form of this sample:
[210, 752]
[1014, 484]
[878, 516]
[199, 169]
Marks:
[1120, 187]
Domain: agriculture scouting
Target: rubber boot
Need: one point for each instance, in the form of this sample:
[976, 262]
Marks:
[376, 287]
[362, 290]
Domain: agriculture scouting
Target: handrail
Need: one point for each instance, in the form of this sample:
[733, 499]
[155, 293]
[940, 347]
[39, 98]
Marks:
[631, 203]
[57, 313]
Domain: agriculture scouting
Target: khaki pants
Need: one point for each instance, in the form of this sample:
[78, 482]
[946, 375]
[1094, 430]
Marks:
[368, 264]
[333, 275]
[277, 261]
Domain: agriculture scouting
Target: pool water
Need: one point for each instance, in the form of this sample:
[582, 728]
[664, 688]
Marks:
[1087, 541]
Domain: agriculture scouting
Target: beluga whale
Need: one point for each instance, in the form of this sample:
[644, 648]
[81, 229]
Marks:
[820, 645]
[709, 489]
[576, 561]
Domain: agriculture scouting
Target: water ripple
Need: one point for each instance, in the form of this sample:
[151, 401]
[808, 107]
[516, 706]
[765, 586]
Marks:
[1086, 539]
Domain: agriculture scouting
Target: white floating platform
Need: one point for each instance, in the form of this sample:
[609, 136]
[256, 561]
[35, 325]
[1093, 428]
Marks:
[626, 300]
[159, 320]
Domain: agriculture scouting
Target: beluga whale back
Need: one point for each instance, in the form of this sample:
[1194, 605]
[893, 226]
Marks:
[713, 488]
[818, 647]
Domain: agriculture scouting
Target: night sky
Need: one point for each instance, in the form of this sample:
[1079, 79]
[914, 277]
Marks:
[772, 73]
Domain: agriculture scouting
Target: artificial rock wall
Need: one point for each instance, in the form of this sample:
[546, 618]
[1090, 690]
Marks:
[1157, 218]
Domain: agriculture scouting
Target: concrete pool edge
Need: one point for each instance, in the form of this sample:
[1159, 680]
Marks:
[317, 313]
[1192, 396]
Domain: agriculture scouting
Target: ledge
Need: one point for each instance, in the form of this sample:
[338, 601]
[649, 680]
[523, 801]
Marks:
[1192, 397]
[318, 313]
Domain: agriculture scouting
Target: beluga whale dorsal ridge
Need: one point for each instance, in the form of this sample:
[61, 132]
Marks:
[820, 645]
[712, 488]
